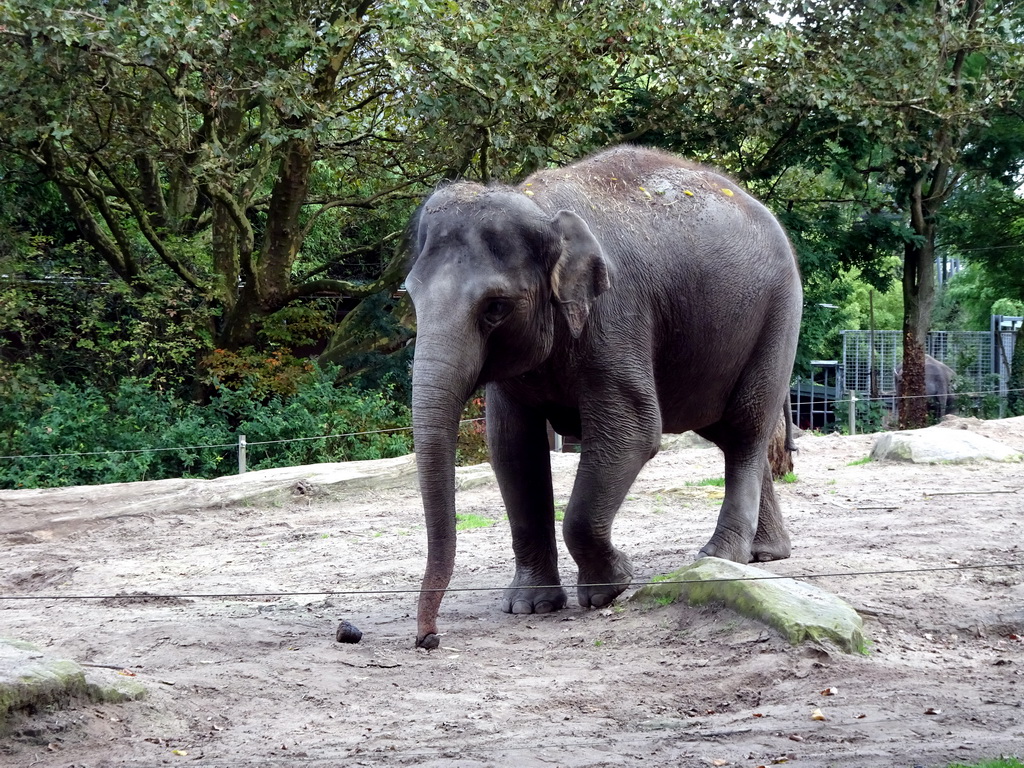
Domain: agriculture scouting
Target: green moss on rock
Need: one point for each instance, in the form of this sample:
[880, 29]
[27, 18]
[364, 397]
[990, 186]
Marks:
[30, 679]
[799, 612]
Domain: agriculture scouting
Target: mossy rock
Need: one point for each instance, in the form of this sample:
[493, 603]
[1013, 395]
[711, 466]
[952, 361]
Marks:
[30, 679]
[799, 612]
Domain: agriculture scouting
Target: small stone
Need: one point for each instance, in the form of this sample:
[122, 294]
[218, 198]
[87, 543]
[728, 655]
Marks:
[348, 633]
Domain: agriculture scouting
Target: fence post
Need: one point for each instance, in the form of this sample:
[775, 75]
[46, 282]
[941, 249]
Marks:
[241, 454]
[853, 412]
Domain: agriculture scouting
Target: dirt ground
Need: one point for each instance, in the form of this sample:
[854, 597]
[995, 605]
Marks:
[262, 681]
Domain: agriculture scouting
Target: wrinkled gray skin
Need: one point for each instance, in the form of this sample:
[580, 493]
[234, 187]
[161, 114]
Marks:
[627, 295]
[938, 384]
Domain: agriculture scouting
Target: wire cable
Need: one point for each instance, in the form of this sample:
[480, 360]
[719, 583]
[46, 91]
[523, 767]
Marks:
[418, 590]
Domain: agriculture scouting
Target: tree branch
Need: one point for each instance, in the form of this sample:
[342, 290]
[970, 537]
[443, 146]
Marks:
[389, 279]
[240, 220]
[146, 227]
[341, 258]
[364, 202]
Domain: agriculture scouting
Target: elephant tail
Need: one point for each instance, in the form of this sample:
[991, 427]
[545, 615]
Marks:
[787, 415]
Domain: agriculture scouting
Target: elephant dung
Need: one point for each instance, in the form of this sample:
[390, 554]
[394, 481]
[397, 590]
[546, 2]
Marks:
[938, 444]
[798, 611]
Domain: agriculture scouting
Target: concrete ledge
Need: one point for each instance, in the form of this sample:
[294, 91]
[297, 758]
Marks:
[800, 612]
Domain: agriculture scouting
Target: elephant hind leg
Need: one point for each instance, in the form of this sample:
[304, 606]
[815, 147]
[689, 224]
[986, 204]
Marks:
[771, 541]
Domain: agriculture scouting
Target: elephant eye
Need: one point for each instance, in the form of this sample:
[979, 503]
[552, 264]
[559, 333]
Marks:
[496, 310]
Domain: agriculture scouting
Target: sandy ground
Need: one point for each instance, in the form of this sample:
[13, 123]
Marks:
[262, 681]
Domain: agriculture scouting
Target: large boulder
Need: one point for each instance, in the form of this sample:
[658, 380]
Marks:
[938, 445]
[799, 612]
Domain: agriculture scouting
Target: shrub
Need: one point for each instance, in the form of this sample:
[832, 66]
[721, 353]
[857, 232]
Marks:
[872, 415]
[68, 434]
[471, 447]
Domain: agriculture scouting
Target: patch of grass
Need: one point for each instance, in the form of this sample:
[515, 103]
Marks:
[560, 510]
[598, 643]
[715, 481]
[858, 462]
[1002, 762]
[789, 477]
[465, 521]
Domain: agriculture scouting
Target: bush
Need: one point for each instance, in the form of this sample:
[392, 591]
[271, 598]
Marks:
[872, 415]
[471, 447]
[68, 434]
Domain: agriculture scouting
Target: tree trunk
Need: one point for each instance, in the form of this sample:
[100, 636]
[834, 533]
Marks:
[919, 289]
[1015, 399]
[779, 458]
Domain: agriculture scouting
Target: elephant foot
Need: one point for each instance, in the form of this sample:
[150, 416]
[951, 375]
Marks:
[764, 551]
[428, 642]
[598, 587]
[771, 542]
[521, 598]
[727, 548]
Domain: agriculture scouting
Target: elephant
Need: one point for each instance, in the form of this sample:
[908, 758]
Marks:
[629, 294]
[938, 384]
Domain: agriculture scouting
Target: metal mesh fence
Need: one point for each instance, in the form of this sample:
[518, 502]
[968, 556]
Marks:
[978, 357]
[1003, 350]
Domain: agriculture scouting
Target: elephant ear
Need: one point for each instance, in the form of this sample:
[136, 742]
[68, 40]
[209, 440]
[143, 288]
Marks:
[581, 273]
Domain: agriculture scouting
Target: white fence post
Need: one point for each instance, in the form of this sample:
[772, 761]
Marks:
[853, 412]
[241, 454]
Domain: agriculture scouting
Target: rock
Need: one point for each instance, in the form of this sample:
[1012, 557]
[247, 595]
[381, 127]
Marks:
[112, 687]
[800, 612]
[474, 476]
[32, 679]
[670, 442]
[940, 444]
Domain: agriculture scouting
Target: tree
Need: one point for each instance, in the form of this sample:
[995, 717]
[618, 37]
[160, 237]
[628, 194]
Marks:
[938, 77]
[898, 103]
[183, 139]
[254, 155]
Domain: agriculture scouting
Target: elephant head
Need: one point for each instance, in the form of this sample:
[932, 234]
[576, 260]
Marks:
[493, 279]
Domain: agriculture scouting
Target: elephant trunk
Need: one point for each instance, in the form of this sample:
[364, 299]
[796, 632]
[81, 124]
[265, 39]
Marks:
[441, 385]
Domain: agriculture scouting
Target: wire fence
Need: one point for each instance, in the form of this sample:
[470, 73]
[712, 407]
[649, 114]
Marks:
[376, 592]
[242, 441]
[822, 401]
[817, 406]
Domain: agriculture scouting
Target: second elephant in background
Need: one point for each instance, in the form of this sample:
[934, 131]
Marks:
[938, 384]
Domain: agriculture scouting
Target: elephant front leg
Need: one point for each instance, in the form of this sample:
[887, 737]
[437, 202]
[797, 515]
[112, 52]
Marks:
[518, 441]
[608, 466]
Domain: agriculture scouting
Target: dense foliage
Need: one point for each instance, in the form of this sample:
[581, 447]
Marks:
[200, 198]
[69, 434]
